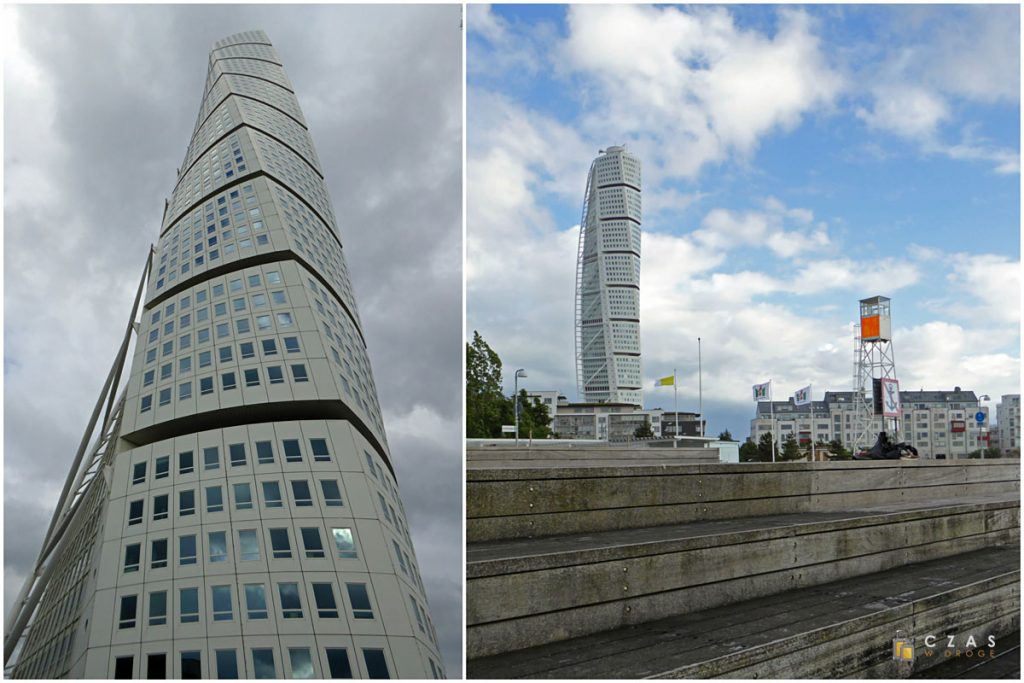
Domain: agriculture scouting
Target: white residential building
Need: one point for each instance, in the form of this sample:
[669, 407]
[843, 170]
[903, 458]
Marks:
[549, 399]
[940, 424]
[1008, 422]
[604, 421]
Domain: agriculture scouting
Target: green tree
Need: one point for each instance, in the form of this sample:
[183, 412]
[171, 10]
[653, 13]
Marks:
[992, 452]
[764, 447]
[725, 436]
[748, 452]
[644, 431]
[790, 449]
[838, 451]
[484, 400]
[534, 420]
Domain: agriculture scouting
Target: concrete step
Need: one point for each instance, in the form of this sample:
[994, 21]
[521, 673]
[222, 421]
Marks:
[838, 629]
[528, 592]
[533, 501]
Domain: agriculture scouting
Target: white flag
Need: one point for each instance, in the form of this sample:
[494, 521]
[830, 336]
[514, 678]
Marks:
[802, 396]
[763, 392]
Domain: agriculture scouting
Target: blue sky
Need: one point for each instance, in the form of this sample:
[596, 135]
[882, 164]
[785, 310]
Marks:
[795, 159]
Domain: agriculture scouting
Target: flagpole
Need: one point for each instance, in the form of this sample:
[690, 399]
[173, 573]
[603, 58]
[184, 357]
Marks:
[675, 407]
[700, 392]
[771, 412]
[811, 396]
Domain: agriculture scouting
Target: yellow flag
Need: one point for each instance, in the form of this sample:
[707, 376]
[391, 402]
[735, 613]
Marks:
[666, 381]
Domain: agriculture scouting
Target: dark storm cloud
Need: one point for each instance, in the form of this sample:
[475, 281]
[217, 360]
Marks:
[99, 104]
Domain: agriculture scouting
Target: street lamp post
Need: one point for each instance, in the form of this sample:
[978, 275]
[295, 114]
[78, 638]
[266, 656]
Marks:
[515, 397]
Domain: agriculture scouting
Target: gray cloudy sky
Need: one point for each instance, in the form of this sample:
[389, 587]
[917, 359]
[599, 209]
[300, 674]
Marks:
[99, 105]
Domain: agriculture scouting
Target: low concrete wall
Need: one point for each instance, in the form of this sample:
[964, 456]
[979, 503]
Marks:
[504, 502]
[524, 600]
[682, 454]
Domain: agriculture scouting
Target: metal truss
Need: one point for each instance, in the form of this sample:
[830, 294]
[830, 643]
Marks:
[86, 466]
[874, 360]
[581, 381]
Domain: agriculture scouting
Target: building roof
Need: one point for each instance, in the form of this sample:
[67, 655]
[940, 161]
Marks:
[788, 408]
[938, 396]
[832, 397]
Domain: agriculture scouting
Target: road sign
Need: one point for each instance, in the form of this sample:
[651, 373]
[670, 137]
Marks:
[508, 429]
[979, 416]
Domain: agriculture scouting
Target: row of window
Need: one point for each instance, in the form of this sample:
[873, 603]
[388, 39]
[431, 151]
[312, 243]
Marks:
[220, 309]
[228, 381]
[301, 497]
[225, 354]
[245, 222]
[217, 290]
[223, 330]
[256, 607]
[248, 547]
[242, 491]
[260, 115]
[263, 664]
[237, 457]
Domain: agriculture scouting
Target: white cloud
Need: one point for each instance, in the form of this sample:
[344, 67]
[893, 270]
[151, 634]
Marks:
[941, 355]
[940, 58]
[910, 111]
[726, 229]
[511, 51]
[986, 286]
[974, 53]
[1006, 161]
[708, 87]
[859, 277]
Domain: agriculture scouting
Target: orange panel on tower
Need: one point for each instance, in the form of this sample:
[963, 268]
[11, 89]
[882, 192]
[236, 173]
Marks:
[869, 327]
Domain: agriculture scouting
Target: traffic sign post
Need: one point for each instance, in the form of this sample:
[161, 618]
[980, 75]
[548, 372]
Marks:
[979, 417]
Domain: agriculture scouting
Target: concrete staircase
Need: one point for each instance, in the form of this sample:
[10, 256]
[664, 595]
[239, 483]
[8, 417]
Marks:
[564, 559]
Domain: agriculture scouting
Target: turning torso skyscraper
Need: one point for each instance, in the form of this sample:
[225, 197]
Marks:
[238, 516]
[608, 282]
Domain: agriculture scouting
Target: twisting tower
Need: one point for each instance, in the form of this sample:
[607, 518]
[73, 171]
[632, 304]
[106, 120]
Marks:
[608, 282]
[237, 515]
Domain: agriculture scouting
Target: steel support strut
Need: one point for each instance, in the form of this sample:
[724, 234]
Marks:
[53, 542]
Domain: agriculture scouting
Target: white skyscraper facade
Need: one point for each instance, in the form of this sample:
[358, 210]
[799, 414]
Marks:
[608, 282]
[241, 517]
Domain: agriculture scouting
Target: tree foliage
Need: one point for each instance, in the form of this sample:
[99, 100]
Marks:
[487, 409]
[748, 452]
[644, 431]
[534, 420]
[838, 451]
[791, 449]
[484, 400]
[725, 436]
[764, 447]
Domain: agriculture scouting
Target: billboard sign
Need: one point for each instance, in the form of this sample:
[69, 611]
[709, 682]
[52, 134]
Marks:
[890, 397]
